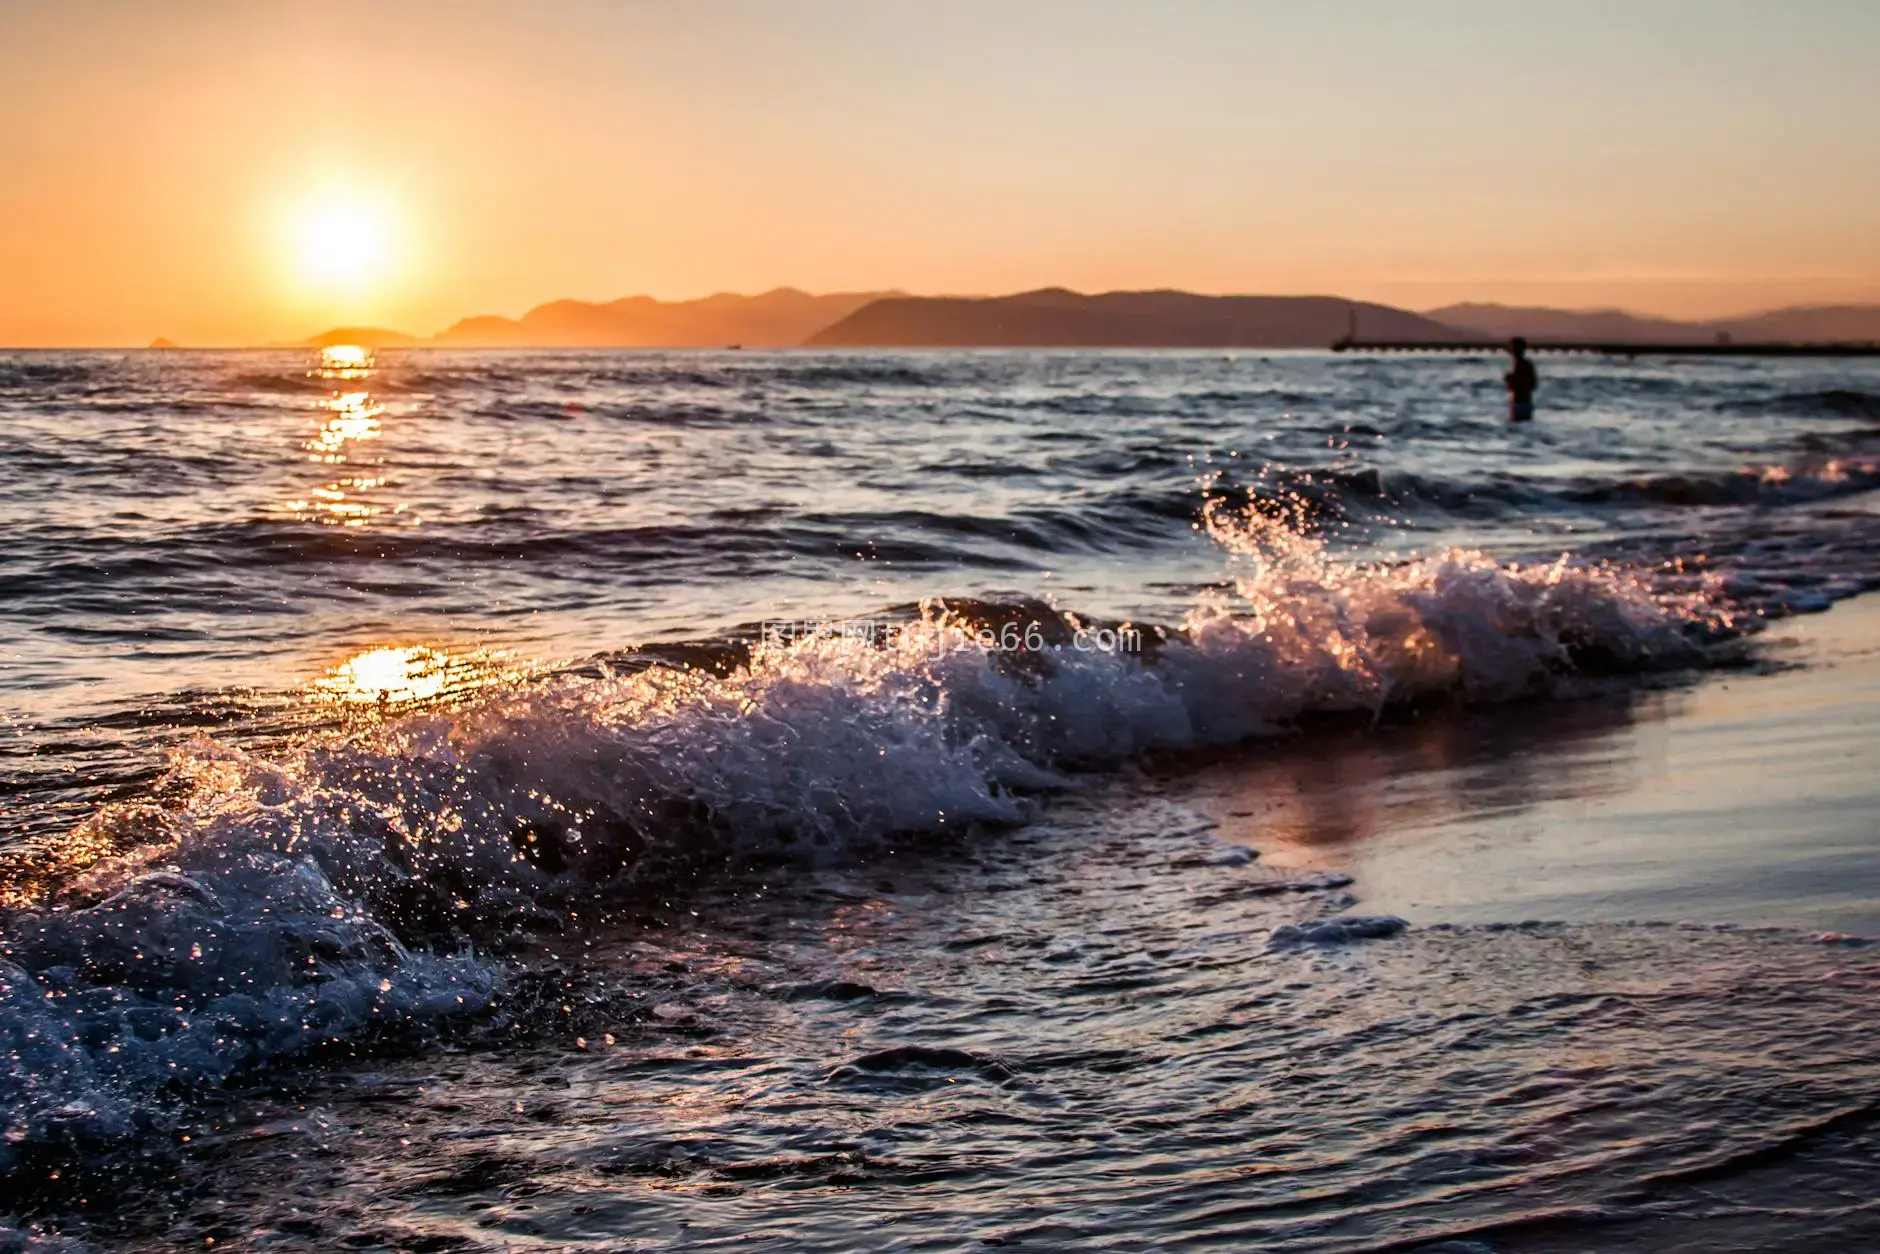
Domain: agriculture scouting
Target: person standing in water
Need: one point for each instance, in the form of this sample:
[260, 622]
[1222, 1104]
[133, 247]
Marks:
[1520, 379]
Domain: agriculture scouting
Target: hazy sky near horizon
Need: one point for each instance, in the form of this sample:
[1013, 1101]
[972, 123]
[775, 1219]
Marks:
[176, 169]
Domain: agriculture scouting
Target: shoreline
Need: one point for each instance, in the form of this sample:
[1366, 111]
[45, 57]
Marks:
[1744, 798]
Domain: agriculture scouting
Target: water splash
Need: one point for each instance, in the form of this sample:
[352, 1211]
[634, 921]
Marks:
[306, 898]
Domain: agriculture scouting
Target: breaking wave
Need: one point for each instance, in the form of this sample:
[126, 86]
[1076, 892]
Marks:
[1834, 464]
[30, 375]
[1751, 485]
[368, 881]
[301, 382]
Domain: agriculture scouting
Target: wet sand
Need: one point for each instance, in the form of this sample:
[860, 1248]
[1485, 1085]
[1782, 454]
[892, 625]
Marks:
[1749, 798]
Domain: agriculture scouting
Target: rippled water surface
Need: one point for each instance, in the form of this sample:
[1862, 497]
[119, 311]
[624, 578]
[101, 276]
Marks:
[644, 800]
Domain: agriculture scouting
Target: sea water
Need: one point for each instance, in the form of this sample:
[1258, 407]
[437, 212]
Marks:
[525, 800]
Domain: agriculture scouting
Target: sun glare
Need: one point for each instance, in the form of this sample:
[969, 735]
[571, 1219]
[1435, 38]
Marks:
[406, 674]
[343, 244]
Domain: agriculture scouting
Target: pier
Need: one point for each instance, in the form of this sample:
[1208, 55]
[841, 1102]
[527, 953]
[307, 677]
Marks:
[1722, 348]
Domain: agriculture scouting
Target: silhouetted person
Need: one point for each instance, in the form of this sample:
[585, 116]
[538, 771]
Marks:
[1520, 379]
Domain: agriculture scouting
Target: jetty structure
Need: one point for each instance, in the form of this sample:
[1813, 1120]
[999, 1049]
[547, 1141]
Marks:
[1722, 346]
[1613, 348]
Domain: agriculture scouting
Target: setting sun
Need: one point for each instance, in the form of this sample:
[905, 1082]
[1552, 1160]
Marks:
[343, 244]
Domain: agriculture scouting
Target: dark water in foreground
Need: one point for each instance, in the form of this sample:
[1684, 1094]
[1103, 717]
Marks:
[413, 842]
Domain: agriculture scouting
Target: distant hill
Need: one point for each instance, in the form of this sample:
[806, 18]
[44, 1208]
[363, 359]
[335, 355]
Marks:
[1804, 323]
[782, 318]
[1860, 323]
[1056, 318]
[1499, 322]
[364, 337]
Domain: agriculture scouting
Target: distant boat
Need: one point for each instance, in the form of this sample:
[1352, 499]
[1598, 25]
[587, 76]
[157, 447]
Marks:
[736, 348]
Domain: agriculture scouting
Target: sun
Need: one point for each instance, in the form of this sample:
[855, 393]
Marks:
[343, 244]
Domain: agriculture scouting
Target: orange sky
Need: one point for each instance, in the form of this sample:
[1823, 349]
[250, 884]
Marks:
[163, 167]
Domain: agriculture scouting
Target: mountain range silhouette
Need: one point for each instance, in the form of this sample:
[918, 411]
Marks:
[1059, 318]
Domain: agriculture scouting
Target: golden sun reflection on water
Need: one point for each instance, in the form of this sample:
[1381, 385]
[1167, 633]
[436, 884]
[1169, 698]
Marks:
[351, 417]
[345, 358]
[404, 674]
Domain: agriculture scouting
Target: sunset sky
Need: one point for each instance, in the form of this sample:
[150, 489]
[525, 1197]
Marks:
[243, 172]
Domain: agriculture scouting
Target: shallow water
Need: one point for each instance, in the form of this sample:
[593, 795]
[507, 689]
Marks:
[1084, 1037]
[1746, 799]
[385, 736]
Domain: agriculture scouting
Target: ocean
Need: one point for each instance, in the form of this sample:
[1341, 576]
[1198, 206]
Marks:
[645, 800]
